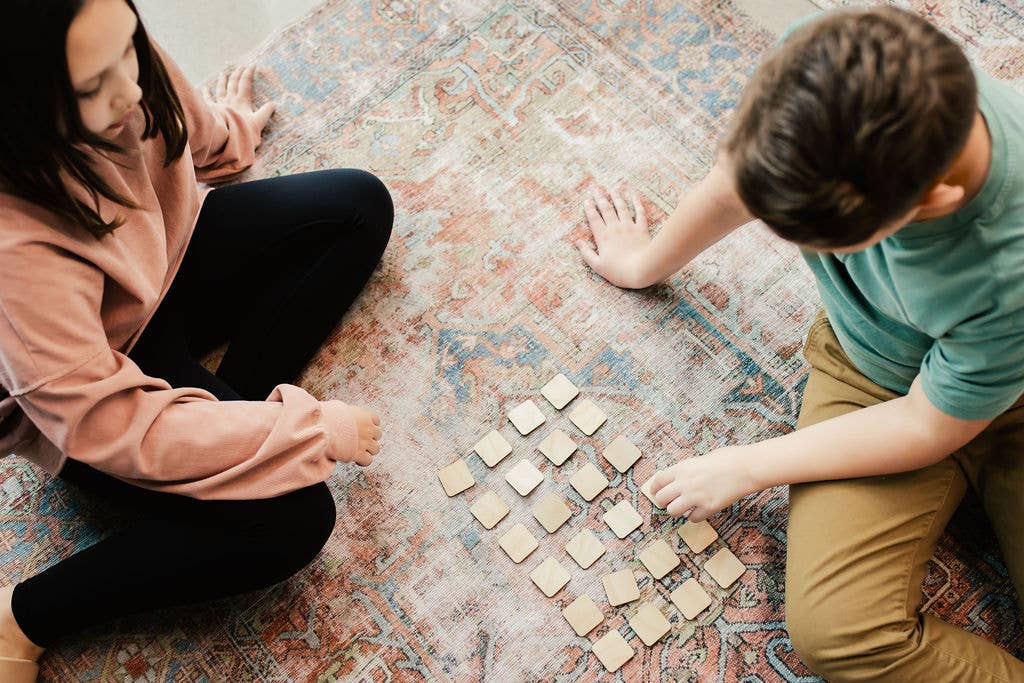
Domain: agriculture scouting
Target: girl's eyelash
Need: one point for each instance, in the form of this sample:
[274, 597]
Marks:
[92, 93]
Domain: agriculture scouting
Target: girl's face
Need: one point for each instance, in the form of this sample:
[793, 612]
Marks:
[102, 64]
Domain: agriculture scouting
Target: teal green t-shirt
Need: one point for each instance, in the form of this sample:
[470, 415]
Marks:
[944, 298]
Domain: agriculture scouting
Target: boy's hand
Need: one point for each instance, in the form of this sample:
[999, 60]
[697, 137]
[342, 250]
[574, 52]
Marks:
[703, 485]
[368, 429]
[235, 91]
[621, 241]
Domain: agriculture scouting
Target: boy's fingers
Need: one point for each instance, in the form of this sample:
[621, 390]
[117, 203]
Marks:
[638, 206]
[667, 494]
[590, 257]
[698, 514]
[594, 220]
[607, 212]
[679, 506]
[377, 433]
[376, 419]
[660, 479]
[621, 210]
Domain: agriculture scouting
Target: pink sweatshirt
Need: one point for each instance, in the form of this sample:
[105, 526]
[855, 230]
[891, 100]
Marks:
[72, 305]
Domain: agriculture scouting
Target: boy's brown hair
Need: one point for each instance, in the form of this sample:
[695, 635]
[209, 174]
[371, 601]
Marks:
[848, 123]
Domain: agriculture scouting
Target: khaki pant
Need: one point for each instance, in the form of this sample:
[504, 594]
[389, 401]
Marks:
[858, 548]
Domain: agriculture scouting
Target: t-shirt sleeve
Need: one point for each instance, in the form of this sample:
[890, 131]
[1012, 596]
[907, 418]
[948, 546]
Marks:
[976, 370]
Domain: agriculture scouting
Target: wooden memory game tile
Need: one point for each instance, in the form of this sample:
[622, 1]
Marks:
[724, 567]
[552, 512]
[697, 536]
[649, 623]
[489, 509]
[456, 478]
[524, 477]
[623, 519]
[589, 481]
[587, 416]
[493, 448]
[621, 453]
[518, 543]
[526, 417]
[557, 447]
[583, 615]
[559, 391]
[550, 576]
[613, 651]
[691, 598]
[585, 548]
[659, 558]
[620, 587]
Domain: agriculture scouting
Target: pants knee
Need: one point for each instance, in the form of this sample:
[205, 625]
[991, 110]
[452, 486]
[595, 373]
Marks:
[371, 199]
[303, 521]
[844, 644]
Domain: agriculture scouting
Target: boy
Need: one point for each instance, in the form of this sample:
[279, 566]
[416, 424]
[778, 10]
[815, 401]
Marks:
[867, 139]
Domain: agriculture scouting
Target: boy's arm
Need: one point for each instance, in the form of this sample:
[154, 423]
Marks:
[628, 257]
[904, 434]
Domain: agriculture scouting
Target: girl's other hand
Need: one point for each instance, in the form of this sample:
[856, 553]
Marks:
[235, 90]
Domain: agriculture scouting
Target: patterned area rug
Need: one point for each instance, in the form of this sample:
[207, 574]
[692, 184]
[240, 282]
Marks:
[488, 121]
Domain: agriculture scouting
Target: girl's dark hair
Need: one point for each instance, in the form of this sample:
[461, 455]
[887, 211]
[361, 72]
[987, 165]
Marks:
[43, 144]
[848, 123]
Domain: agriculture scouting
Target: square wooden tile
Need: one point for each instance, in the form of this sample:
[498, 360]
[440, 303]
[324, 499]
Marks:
[649, 623]
[691, 598]
[489, 509]
[518, 542]
[659, 558]
[697, 536]
[587, 416]
[583, 615]
[724, 567]
[589, 481]
[557, 447]
[526, 417]
[646, 490]
[552, 512]
[493, 448]
[585, 548]
[621, 453]
[524, 477]
[613, 651]
[456, 478]
[620, 587]
[559, 391]
[623, 519]
[550, 576]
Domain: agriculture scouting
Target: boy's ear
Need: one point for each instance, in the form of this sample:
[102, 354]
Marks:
[942, 199]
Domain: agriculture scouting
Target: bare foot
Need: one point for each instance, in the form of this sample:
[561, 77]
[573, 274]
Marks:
[14, 643]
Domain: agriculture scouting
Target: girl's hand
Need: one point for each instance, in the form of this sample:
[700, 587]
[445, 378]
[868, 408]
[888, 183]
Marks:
[704, 485]
[621, 241]
[368, 429]
[235, 91]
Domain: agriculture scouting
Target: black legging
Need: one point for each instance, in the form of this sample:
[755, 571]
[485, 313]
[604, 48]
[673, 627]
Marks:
[272, 267]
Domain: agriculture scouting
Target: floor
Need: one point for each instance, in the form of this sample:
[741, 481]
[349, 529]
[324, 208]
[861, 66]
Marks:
[195, 31]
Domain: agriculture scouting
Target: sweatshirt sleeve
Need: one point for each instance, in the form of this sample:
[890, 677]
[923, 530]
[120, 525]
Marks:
[223, 142]
[97, 406]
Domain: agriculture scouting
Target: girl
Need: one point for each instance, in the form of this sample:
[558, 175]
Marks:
[116, 274]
